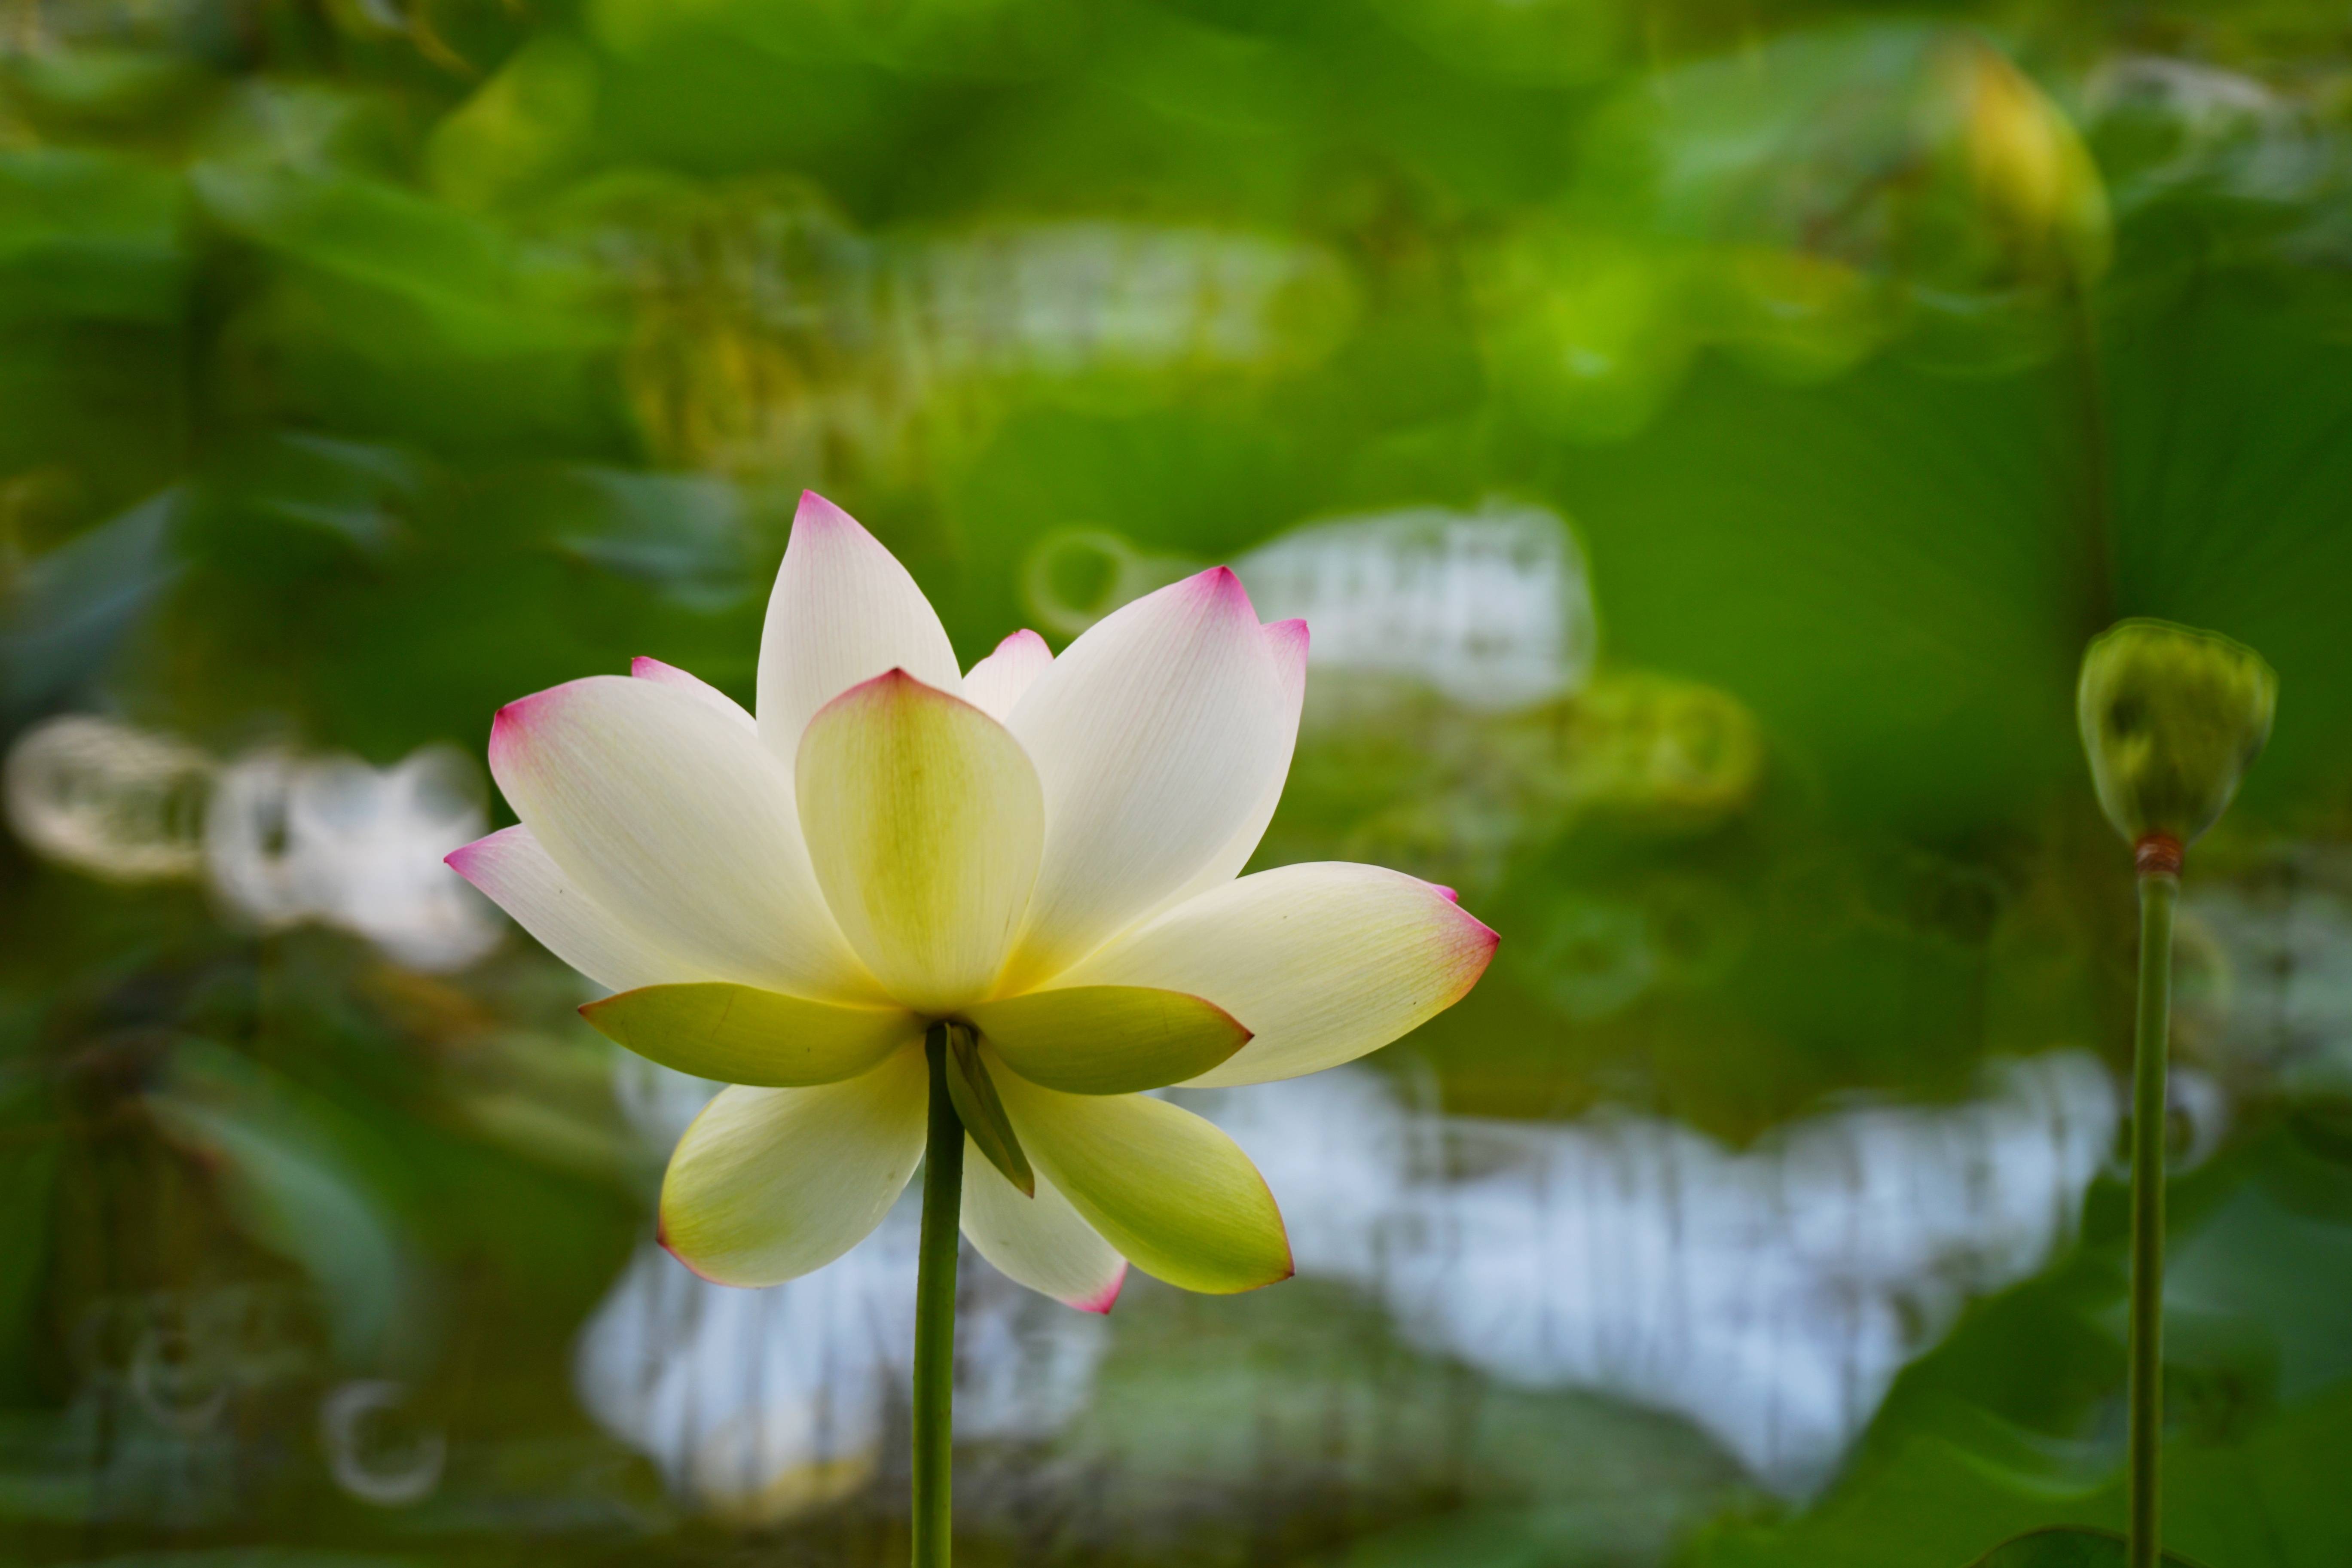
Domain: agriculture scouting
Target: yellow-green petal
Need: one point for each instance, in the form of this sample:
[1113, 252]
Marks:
[924, 820]
[1173, 1194]
[1323, 963]
[1108, 1039]
[768, 1183]
[742, 1034]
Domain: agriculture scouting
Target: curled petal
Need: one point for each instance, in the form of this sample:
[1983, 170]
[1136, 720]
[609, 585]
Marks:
[843, 610]
[1041, 1242]
[515, 872]
[995, 684]
[923, 819]
[645, 669]
[1173, 1194]
[972, 1088]
[740, 1034]
[1153, 735]
[1322, 962]
[768, 1183]
[1108, 1039]
[653, 801]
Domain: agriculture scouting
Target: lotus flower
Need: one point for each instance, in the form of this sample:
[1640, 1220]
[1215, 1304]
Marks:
[1039, 854]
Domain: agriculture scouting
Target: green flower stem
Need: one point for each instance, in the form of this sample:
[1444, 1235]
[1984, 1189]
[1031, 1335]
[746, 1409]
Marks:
[935, 1304]
[2159, 888]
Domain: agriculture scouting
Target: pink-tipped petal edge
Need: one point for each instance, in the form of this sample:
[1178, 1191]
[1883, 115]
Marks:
[1102, 1300]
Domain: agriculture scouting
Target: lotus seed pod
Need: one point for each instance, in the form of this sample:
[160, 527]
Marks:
[2171, 716]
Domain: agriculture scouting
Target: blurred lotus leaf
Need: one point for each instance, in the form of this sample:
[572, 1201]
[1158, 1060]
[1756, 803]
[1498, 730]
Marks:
[62, 615]
[89, 234]
[521, 128]
[410, 264]
[2060, 1547]
[1571, 41]
[1587, 331]
[283, 1162]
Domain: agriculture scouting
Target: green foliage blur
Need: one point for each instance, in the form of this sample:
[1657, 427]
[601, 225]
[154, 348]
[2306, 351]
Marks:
[365, 364]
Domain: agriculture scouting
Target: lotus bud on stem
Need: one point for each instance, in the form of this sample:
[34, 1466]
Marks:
[2171, 716]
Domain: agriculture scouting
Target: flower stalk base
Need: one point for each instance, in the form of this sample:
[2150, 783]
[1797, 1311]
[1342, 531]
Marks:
[935, 1304]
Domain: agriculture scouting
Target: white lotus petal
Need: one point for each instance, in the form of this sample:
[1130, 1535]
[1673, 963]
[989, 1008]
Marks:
[997, 681]
[923, 818]
[647, 669]
[1287, 642]
[1154, 735]
[515, 872]
[770, 1184]
[1041, 1242]
[653, 801]
[843, 612]
[1321, 963]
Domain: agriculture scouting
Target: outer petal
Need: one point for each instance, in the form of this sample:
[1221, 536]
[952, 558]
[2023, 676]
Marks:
[1165, 1186]
[512, 868]
[653, 801]
[1323, 962]
[997, 681]
[768, 1183]
[646, 669]
[843, 612]
[1041, 1242]
[923, 818]
[739, 1034]
[1108, 1039]
[1154, 735]
[1287, 642]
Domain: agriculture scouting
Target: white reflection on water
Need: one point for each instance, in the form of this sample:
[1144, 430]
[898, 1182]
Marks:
[1492, 608]
[2266, 969]
[1073, 297]
[1769, 1295]
[279, 838]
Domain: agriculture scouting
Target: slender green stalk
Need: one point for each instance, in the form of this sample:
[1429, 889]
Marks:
[935, 1303]
[2157, 889]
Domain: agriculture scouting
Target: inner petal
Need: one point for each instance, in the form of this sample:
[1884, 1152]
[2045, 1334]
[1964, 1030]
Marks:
[924, 821]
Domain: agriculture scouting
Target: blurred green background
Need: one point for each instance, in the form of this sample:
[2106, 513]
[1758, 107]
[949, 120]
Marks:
[1702, 436]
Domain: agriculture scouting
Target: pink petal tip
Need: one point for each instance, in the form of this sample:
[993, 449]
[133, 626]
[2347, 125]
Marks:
[815, 510]
[1220, 587]
[661, 1240]
[1451, 897]
[1102, 1300]
[519, 714]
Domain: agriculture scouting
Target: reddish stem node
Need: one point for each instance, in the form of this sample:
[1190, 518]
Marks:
[2159, 855]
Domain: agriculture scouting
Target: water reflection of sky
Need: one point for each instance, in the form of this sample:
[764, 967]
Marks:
[1768, 1295]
